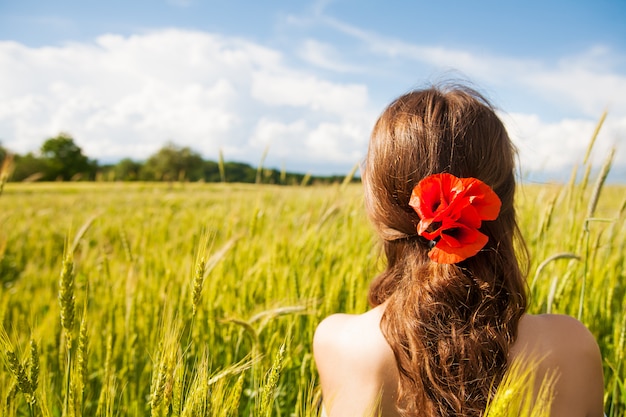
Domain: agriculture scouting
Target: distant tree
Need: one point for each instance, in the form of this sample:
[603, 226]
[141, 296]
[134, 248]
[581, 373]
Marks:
[211, 171]
[173, 163]
[239, 172]
[65, 160]
[28, 167]
[127, 170]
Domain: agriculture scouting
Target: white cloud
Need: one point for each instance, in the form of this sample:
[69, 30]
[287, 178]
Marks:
[126, 96]
[555, 148]
[302, 90]
[341, 143]
[584, 84]
[338, 142]
[588, 90]
[586, 81]
[325, 56]
[279, 137]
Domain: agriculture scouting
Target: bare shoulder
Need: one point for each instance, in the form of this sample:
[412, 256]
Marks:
[348, 338]
[556, 335]
[354, 362]
[565, 346]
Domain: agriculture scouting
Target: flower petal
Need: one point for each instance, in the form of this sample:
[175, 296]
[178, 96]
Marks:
[469, 216]
[451, 211]
[426, 197]
[482, 198]
[450, 251]
[433, 197]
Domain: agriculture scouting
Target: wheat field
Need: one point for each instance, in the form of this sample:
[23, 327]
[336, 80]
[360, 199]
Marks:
[189, 299]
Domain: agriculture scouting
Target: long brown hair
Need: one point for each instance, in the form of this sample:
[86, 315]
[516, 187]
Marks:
[449, 326]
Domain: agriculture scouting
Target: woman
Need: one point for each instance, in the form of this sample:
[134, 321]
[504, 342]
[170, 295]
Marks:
[449, 311]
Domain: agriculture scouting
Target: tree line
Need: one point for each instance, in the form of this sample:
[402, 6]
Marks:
[60, 159]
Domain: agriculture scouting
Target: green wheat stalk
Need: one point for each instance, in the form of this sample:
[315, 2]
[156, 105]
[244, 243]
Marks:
[271, 383]
[220, 165]
[259, 169]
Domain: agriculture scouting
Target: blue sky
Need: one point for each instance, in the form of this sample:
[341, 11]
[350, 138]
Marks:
[306, 79]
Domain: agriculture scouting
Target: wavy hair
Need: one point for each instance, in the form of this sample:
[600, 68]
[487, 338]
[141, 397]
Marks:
[450, 326]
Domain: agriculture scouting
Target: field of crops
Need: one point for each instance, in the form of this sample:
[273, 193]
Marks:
[201, 299]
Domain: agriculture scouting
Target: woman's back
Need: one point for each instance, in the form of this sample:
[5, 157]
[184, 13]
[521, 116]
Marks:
[564, 345]
[449, 306]
[356, 365]
[358, 370]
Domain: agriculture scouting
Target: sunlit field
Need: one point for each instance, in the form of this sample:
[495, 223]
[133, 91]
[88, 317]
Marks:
[189, 299]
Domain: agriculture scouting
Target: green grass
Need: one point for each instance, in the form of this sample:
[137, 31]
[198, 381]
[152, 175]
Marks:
[202, 299]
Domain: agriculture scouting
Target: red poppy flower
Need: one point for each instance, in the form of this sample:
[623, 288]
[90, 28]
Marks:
[451, 211]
